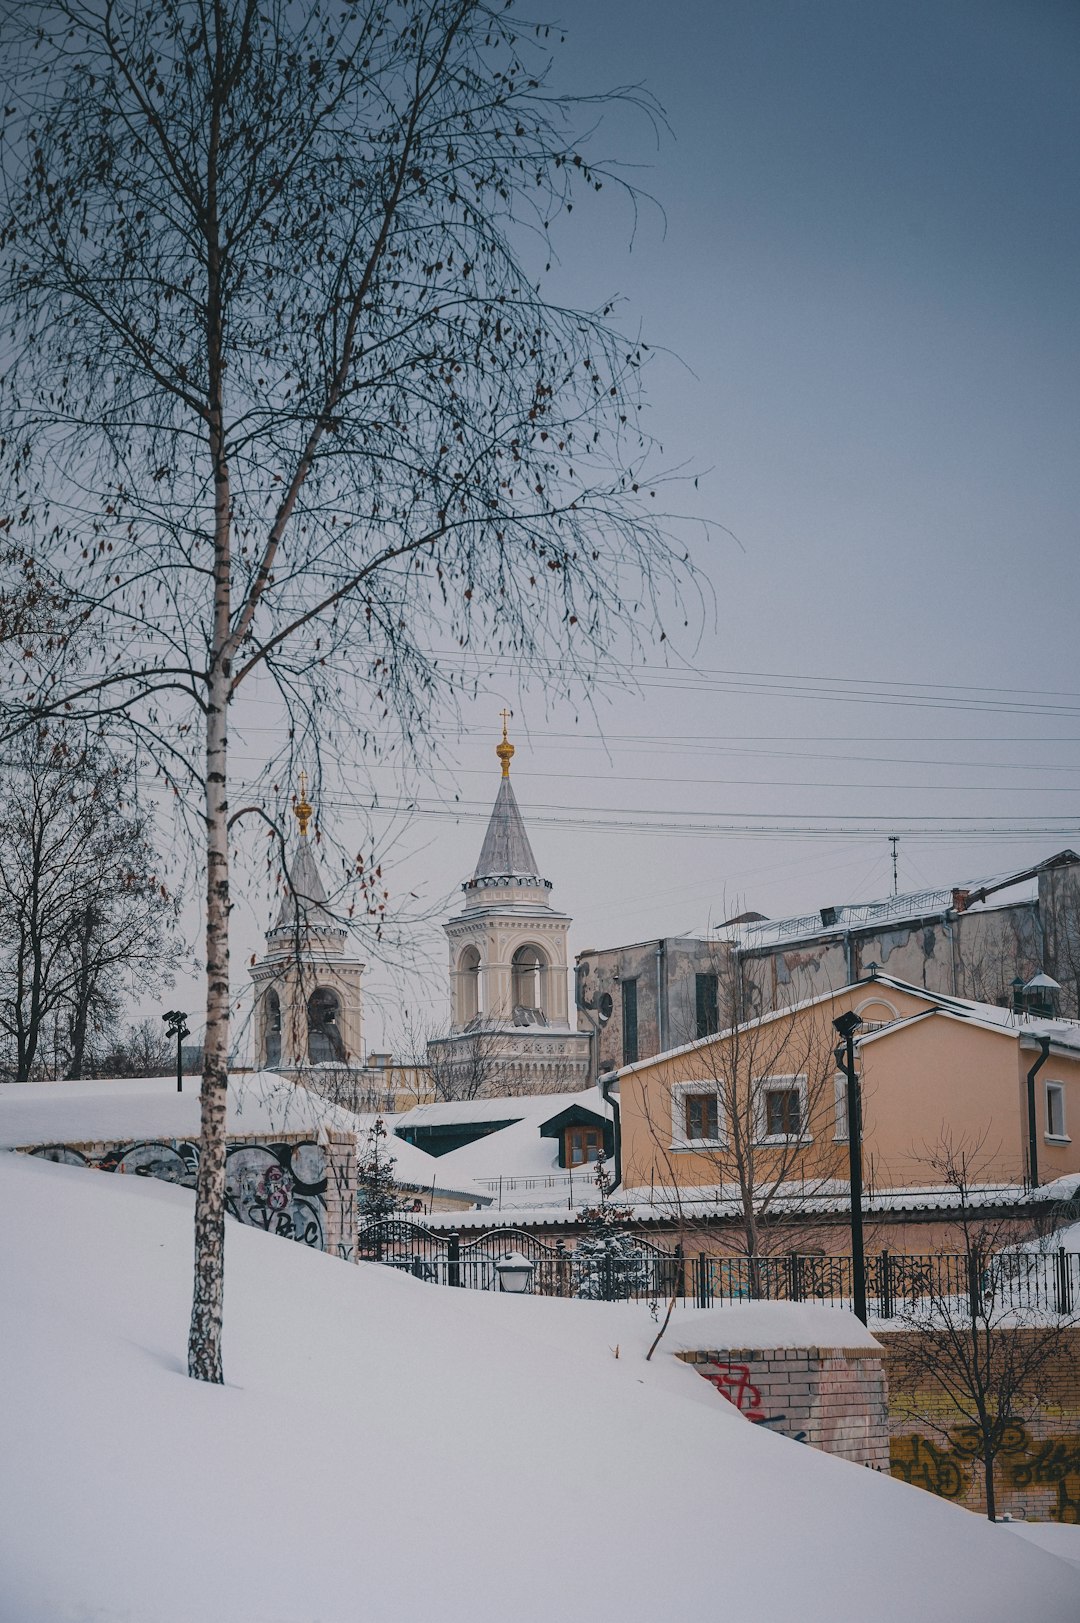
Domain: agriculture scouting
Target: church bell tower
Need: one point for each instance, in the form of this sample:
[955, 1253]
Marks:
[510, 1013]
[308, 1005]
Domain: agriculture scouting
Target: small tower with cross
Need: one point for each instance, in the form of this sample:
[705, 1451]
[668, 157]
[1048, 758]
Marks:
[308, 1001]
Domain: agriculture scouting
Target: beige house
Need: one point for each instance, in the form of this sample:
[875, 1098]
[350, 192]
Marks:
[765, 1102]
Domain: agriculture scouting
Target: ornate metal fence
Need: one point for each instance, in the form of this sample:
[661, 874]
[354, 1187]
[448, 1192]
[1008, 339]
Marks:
[897, 1283]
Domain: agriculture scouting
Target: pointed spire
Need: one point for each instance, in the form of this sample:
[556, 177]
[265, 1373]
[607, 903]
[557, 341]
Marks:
[506, 852]
[306, 894]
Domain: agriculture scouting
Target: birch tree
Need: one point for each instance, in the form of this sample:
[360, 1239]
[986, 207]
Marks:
[288, 409]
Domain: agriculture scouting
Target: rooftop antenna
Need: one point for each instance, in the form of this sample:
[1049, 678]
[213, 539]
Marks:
[894, 841]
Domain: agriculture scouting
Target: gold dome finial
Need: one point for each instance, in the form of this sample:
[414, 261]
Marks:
[302, 807]
[505, 750]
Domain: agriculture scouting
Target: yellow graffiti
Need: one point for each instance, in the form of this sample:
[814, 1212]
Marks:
[1024, 1462]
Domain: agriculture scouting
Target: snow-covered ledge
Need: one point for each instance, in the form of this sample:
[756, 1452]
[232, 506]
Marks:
[810, 1373]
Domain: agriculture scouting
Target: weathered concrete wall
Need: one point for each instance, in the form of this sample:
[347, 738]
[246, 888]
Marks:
[833, 1398]
[1038, 1472]
[1059, 919]
[288, 1184]
[665, 972]
[959, 954]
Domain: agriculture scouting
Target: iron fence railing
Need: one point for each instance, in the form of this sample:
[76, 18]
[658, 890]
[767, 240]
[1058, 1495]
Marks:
[898, 1284]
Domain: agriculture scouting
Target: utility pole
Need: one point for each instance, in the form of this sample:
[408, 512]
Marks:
[847, 1025]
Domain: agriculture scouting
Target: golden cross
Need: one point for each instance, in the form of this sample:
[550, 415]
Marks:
[505, 750]
[302, 807]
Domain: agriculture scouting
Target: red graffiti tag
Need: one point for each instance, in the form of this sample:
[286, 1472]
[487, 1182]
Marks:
[733, 1382]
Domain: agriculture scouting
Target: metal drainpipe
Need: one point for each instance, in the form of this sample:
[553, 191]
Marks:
[594, 1030]
[1033, 1126]
[661, 988]
[604, 1083]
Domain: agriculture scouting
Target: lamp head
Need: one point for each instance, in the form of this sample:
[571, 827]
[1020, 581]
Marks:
[847, 1024]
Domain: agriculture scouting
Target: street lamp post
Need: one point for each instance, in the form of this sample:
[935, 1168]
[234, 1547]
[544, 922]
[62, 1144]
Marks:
[176, 1024]
[847, 1025]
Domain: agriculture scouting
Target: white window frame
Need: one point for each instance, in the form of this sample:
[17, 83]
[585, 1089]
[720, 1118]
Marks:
[840, 1132]
[775, 1084]
[679, 1093]
[1049, 1135]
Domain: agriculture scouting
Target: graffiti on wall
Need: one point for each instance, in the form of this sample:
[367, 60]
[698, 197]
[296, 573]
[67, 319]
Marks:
[277, 1187]
[733, 1382]
[951, 1467]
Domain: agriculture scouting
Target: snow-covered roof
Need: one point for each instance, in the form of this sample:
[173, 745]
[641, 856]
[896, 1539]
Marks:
[897, 911]
[514, 1162]
[538, 1107]
[662, 1205]
[1023, 1028]
[150, 1107]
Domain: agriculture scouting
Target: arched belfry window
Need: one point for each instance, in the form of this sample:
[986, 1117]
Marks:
[324, 1031]
[469, 993]
[272, 1028]
[528, 971]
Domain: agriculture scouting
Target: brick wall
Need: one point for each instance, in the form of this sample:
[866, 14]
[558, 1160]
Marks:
[833, 1398]
[1038, 1471]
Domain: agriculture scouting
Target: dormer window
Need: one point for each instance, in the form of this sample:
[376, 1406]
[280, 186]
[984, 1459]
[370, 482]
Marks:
[582, 1145]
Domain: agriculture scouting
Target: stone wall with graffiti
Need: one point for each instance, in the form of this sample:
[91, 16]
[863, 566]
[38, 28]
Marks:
[289, 1184]
[1037, 1476]
[830, 1397]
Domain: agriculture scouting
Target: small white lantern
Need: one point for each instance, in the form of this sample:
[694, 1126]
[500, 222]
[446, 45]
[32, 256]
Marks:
[515, 1272]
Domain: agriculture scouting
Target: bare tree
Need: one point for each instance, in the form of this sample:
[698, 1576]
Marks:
[85, 919]
[143, 1049]
[757, 1107]
[285, 407]
[975, 1336]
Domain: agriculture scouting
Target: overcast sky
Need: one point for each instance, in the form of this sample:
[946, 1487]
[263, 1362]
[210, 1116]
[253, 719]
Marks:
[864, 289]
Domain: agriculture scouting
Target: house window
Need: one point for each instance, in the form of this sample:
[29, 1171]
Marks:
[708, 1005]
[582, 1145]
[782, 1113]
[697, 1121]
[702, 1115]
[1055, 1111]
[629, 1022]
[781, 1109]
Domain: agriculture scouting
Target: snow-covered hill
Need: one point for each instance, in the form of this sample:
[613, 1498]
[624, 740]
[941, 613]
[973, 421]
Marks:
[389, 1450]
